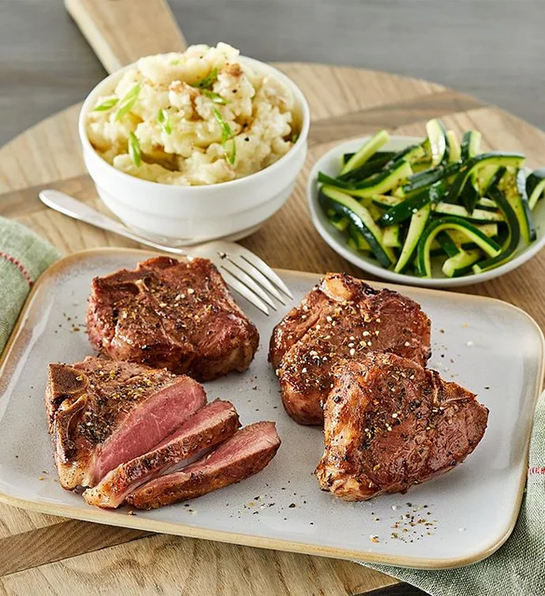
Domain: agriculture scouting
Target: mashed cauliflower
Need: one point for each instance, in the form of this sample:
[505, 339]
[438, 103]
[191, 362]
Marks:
[193, 118]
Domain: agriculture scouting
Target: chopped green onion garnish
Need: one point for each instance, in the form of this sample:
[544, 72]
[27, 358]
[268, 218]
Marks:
[215, 97]
[127, 103]
[164, 120]
[175, 62]
[208, 80]
[134, 149]
[226, 130]
[205, 85]
[106, 105]
[294, 137]
[226, 135]
[231, 157]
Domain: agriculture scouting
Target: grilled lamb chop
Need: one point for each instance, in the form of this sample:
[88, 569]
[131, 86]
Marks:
[173, 314]
[342, 317]
[389, 423]
[210, 426]
[247, 452]
[103, 413]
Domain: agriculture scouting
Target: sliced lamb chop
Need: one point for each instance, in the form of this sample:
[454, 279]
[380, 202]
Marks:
[389, 424]
[103, 413]
[210, 426]
[342, 317]
[171, 313]
[247, 452]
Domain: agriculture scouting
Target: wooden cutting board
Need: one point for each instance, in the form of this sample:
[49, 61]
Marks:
[41, 553]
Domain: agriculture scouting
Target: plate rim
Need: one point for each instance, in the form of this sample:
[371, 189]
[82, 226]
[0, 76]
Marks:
[136, 522]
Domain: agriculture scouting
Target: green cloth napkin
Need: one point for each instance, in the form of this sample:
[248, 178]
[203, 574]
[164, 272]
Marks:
[23, 258]
[518, 567]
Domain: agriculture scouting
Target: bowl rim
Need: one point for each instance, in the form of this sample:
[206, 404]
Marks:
[525, 255]
[205, 188]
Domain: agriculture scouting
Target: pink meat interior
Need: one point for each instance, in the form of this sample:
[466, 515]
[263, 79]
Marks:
[150, 423]
[244, 443]
[206, 417]
[214, 414]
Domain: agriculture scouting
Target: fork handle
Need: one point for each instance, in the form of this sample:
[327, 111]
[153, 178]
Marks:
[63, 203]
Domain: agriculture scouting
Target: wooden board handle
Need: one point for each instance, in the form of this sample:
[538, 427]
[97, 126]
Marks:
[121, 31]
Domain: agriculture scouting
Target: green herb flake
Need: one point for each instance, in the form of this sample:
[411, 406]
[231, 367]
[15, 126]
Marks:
[215, 97]
[106, 105]
[164, 120]
[231, 158]
[127, 103]
[175, 62]
[134, 149]
[208, 80]
[227, 134]
[294, 138]
[226, 130]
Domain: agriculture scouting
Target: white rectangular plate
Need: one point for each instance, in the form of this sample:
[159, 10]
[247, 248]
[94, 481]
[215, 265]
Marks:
[485, 345]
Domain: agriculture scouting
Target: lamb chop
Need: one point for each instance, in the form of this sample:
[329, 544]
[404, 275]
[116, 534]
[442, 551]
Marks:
[342, 317]
[202, 431]
[389, 424]
[247, 452]
[102, 413]
[170, 313]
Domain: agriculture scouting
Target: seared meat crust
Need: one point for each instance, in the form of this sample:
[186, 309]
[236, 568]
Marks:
[342, 317]
[246, 453]
[175, 314]
[389, 424]
[102, 412]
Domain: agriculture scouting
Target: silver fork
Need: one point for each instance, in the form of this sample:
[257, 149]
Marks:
[244, 271]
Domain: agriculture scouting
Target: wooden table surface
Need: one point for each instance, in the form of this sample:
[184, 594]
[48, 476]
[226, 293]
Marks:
[491, 49]
[44, 554]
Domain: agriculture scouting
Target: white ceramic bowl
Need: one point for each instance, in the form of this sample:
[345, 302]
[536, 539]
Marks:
[234, 208]
[330, 164]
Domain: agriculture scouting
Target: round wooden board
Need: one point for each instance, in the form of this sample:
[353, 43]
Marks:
[70, 556]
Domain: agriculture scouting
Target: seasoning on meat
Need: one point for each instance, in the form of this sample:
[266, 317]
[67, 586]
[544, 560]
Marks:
[342, 317]
[176, 314]
[389, 424]
[102, 413]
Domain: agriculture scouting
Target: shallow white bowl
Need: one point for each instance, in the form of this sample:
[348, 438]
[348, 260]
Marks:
[330, 163]
[230, 208]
